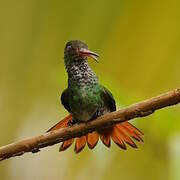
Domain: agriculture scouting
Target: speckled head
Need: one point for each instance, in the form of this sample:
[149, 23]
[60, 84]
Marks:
[77, 51]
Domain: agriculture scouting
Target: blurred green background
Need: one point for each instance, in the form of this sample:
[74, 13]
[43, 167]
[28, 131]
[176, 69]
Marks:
[138, 42]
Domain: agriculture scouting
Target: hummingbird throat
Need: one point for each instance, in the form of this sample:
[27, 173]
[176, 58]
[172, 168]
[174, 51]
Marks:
[80, 73]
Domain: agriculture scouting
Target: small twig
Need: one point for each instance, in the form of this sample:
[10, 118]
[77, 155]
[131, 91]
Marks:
[140, 109]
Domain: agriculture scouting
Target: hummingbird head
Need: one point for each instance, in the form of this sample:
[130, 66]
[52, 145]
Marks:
[78, 51]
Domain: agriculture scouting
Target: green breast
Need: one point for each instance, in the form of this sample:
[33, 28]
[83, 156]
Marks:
[84, 101]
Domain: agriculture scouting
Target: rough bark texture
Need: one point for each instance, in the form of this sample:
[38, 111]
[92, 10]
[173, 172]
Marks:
[140, 109]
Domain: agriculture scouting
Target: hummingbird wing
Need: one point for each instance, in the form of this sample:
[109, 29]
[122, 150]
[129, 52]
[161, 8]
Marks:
[108, 99]
[65, 99]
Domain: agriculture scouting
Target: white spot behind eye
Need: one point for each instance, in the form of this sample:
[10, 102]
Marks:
[69, 48]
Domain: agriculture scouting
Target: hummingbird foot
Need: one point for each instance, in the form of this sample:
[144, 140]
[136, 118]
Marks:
[72, 122]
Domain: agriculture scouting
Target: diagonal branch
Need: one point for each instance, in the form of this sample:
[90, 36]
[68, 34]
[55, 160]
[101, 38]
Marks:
[140, 109]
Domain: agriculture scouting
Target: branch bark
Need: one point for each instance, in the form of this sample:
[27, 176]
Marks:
[140, 109]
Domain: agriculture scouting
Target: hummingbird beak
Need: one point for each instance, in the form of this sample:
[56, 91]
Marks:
[87, 53]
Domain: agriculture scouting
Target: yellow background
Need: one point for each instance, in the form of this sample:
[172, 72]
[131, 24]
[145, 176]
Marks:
[139, 45]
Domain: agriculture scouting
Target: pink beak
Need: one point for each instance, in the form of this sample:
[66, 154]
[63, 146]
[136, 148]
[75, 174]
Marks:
[87, 53]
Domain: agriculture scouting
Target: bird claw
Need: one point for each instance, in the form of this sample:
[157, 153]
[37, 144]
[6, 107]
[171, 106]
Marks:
[72, 122]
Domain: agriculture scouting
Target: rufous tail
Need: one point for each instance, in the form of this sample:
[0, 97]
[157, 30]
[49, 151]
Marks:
[120, 133]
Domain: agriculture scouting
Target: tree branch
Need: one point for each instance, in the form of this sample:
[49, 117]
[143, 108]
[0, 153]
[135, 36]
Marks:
[140, 109]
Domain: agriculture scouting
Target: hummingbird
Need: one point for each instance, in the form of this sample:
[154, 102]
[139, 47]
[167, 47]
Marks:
[86, 99]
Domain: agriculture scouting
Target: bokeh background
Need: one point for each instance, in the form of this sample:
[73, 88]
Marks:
[138, 42]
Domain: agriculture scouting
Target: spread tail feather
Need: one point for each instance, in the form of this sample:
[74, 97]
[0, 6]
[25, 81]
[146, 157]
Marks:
[92, 139]
[117, 138]
[61, 124]
[80, 144]
[132, 131]
[124, 136]
[66, 144]
[120, 133]
[105, 136]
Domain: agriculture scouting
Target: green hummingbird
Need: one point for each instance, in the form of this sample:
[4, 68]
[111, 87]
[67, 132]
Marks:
[85, 99]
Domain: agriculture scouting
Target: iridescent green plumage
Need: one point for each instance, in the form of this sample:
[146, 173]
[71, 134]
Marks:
[84, 98]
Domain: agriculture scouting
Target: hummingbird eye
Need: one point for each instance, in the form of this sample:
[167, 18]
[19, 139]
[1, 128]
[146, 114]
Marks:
[68, 48]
